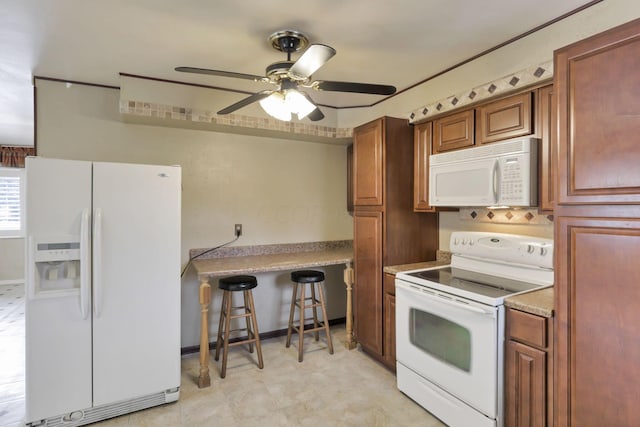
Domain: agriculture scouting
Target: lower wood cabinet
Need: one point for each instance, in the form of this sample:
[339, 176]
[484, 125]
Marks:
[528, 370]
[389, 316]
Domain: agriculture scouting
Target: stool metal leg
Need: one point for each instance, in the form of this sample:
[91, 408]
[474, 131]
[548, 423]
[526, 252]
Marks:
[314, 307]
[255, 332]
[220, 325]
[246, 311]
[324, 319]
[227, 324]
[301, 323]
[291, 313]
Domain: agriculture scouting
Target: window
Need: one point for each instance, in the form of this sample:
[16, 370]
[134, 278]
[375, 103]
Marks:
[11, 202]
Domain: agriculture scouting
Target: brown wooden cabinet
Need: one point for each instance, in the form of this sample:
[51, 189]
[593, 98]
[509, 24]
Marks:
[368, 172]
[389, 329]
[597, 232]
[421, 152]
[528, 370]
[390, 233]
[598, 93]
[545, 118]
[505, 118]
[350, 178]
[367, 249]
[453, 132]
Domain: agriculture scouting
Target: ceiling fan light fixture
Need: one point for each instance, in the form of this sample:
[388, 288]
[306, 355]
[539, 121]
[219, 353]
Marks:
[298, 103]
[275, 106]
[281, 105]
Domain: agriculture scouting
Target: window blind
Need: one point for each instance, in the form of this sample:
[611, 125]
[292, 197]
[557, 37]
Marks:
[11, 203]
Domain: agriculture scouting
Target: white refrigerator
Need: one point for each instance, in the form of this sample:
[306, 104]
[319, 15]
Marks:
[103, 289]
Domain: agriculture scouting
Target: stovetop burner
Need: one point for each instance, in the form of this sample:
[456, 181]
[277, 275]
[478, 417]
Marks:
[477, 283]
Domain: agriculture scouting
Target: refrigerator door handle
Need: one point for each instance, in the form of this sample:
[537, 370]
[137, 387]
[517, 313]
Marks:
[97, 262]
[85, 262]
[31, 276]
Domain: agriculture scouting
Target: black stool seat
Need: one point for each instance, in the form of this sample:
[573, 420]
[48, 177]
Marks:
[238, 283]
[307, 276]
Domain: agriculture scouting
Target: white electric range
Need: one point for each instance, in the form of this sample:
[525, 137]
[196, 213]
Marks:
[450, 324]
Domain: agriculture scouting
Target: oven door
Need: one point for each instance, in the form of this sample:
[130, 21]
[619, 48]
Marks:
[452, 343]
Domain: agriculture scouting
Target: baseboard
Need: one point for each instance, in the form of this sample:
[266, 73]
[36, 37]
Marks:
[263, 336]
[12, 282]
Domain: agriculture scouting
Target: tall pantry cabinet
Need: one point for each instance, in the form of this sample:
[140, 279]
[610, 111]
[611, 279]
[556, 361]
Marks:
[597, 235]
[386, 229]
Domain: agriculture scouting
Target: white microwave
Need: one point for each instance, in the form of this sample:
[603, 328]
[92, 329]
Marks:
[499, 174]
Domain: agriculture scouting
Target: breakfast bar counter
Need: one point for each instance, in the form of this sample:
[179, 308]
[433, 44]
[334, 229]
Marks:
[261, 259]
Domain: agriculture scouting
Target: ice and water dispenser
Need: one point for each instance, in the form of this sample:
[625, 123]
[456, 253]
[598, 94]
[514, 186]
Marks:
[57, 265]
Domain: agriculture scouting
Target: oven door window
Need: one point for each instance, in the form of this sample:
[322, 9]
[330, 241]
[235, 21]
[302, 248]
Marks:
[441, 338]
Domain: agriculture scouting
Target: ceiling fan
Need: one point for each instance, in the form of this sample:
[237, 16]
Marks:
[289, 76]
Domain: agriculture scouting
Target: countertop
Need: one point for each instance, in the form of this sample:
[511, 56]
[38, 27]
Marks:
[259, 259]
[442, 258]
[539, 302]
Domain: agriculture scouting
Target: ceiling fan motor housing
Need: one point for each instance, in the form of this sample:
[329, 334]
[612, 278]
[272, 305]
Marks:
[288, 41]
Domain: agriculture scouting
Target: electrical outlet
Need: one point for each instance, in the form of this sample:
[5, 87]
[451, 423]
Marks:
[238, 230]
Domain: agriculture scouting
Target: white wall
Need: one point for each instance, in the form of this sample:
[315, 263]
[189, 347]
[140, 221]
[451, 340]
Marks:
[281, 191]
[11, 260]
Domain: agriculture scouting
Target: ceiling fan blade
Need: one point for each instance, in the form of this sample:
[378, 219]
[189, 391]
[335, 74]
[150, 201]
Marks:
[316, 114]
[353, 87]
[244, 102]
[221, 73]
[311, 60]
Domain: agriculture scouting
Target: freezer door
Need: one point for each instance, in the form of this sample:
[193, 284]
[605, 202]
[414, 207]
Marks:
[58, 333]
[136, 326]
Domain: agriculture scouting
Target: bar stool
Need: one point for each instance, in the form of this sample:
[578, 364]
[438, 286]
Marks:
[300, 279]
[230, 285]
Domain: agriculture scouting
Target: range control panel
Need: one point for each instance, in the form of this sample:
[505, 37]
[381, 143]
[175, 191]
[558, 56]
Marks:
[527, 250]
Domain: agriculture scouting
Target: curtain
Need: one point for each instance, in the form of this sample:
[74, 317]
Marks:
[13, 156]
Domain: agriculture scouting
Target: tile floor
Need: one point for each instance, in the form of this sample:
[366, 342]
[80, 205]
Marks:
[344, 389]
[11, 355]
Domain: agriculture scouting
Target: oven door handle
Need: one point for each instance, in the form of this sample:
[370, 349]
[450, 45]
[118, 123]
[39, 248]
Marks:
[445, 300]
[462, 305]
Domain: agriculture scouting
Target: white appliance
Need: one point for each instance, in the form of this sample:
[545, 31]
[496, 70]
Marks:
[450, 324]
[499, 174]
[103, 289]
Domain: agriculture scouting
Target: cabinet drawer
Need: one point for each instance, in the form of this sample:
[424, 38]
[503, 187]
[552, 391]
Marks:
[527, 328]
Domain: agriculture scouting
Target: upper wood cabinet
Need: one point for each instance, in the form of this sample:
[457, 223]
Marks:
[350, 178]
[453, 132]
[505, 118]
[421, 151]
[546, 125]
[368, 164]
[598, 89]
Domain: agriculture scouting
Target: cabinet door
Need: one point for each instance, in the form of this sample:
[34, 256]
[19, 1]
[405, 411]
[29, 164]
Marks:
[421, 152]
[368, 152]
[525, 386]
[548, 155]
[453, 132]
[390, 330]
[503, 119]
[367, 241]
[350, 178]
[597, 302]
[598, 89]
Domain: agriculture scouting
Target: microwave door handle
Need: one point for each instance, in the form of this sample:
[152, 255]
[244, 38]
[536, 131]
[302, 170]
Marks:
[496, 181]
